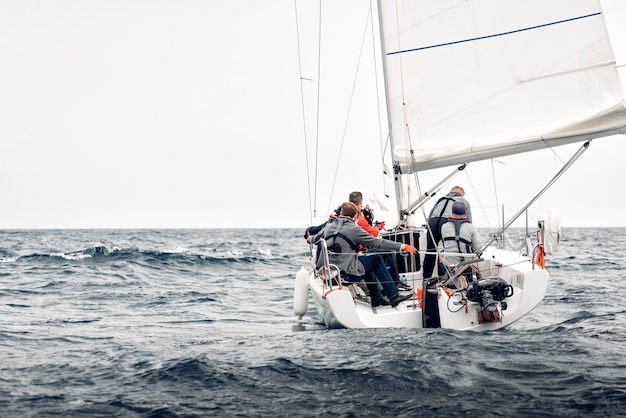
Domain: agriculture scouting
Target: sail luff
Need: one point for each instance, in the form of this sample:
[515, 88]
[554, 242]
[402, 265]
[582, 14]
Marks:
[398, 180]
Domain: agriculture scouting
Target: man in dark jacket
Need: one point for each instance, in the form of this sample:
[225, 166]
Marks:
[459, 236]
[343, 237]
[438, 216]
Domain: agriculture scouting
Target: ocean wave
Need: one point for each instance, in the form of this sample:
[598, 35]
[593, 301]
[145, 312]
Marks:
[101, 252]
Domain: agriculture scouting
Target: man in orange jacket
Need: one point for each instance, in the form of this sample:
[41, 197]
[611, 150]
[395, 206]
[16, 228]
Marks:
[365, 223]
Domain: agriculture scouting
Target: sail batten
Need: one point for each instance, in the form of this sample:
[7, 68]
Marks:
[479, 38]
[511, 77]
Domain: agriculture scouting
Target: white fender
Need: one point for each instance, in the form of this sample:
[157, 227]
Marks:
[301, 293]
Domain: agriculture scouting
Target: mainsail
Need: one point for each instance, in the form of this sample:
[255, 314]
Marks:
[471, 80]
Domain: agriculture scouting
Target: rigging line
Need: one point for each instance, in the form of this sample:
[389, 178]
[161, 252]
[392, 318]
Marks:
[549, 146]
[434, 190]
[495, 35]
[306, 145]
[415, 174]
[398, 184]
[478, 200]
[495, 190]
[317, 118]
[345, 127]
[401, 69]
[380, 128]
[423, 207]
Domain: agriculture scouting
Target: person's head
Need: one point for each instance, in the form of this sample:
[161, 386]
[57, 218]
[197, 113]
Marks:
[458, 189]
[356, 198]
[349, 210]
[458, 210]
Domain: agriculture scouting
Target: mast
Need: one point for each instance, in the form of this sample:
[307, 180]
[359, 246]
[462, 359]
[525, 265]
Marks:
[397, 175]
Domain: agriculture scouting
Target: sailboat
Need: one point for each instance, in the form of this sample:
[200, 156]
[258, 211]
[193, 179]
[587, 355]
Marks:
[467, 81]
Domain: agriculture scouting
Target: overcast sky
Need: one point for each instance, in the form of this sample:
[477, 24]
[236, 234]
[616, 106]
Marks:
[185, 113]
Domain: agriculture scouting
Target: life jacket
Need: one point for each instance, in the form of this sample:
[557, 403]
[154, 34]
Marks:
[335, 247]
[457, 236]
[447, 198]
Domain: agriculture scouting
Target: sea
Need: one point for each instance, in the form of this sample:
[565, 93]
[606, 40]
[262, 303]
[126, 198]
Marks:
[200, 323]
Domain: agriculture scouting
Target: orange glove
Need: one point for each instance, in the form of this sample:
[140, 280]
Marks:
[408, 248]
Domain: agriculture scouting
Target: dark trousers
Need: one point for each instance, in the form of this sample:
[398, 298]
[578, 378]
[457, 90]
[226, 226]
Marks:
[389, 258]
[375, 269]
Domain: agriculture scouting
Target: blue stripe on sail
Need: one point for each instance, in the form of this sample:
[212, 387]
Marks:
[495, 35]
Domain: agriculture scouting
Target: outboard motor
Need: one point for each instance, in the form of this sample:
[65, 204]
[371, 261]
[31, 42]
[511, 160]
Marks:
[490, 294]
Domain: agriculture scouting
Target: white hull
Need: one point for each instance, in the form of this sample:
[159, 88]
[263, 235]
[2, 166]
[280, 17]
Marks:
[338, 307]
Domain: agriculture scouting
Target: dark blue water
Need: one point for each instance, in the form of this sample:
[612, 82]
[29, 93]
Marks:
[189, 323]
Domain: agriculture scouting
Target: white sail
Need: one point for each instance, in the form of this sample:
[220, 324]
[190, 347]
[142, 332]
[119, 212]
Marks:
[470, 80]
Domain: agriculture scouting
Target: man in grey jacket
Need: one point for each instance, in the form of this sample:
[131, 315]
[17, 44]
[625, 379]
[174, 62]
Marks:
[343, 237]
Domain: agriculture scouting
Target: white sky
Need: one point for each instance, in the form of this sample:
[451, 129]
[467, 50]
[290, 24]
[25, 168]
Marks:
[187, 113]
